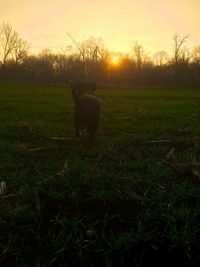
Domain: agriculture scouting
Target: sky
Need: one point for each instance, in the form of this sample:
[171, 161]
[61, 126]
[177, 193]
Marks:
[46, 23]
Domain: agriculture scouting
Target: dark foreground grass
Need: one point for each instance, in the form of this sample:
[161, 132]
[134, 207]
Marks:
[113, 203]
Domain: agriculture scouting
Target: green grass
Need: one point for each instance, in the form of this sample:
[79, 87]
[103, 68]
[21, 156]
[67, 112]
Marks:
[110, 204]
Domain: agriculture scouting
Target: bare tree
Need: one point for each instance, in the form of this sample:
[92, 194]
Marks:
[181, 59]
[8, 39]
[91, 49]
[20, 51]
[11, 45]
[160, 57]
[138, 53]
[196, 54]
[90, 53]
[181, 53]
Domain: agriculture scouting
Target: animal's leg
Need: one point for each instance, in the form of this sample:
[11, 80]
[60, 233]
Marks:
[91, 133]
[77, 125]
[77, 129]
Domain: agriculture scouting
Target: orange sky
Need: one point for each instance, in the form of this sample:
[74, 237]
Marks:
[45, 23]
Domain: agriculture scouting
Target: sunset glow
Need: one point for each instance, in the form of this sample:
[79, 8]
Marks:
[115, 60]
[119, 23]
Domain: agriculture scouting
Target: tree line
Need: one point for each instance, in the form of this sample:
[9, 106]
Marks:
[89, 60]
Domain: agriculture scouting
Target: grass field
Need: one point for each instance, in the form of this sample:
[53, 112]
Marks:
[123, 201]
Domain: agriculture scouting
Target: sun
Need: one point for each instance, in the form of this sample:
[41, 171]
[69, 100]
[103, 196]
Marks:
[115, 60]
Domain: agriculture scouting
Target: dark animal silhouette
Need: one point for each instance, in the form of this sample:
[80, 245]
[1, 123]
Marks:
[87, 108]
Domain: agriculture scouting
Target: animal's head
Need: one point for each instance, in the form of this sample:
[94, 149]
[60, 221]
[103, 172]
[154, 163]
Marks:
[83, 88]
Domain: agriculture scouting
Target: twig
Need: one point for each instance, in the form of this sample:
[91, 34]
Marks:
[25, 149]
[60, 138]
[159, 142]
[181, 168]
[10, 196]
